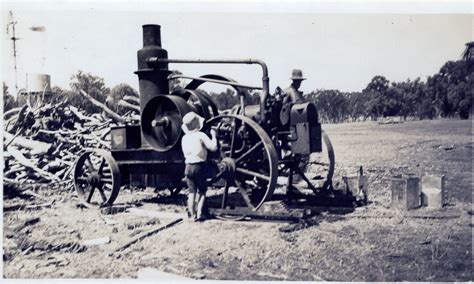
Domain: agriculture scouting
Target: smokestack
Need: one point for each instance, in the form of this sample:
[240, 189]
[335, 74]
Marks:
[152, 82]
[151, 35]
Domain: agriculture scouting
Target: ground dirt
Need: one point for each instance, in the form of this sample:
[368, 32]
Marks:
[381, 246]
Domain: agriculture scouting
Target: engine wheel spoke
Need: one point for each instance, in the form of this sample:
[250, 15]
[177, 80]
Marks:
[89, 164]
[224, 197]
[106, 180]
[232, 141]
[239, 159]
[216, 178]
[252, 173]
[244, 194]
[91, 192]
[102, 195]
[102, 164]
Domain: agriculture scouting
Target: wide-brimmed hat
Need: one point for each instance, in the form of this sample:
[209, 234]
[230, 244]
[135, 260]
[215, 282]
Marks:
[192, 122]
[297, 75]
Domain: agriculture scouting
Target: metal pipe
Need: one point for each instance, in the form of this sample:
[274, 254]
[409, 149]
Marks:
[213, 81]
[242, 104]
[153, 61]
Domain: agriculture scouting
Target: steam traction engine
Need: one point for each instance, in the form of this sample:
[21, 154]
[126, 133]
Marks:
[259, 145]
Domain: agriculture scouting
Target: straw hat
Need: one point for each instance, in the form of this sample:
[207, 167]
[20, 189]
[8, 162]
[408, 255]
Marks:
[192, 122]
[297, 75]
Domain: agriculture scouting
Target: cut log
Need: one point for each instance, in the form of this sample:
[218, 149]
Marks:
[135, 118]
[132, 99]
[112, 114]
[66, 174]
[13, 171]
[28, 164]
[11, 112]
[29, 192]
[11, 181]
[96, 140]
[128, 105]
[104, 134]
[36, 147]
[54, 166]
[9, 124]
[79, 115]
[149, 233]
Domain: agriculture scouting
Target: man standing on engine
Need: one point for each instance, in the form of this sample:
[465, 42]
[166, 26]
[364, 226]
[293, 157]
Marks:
[294, 95]
[195, 145]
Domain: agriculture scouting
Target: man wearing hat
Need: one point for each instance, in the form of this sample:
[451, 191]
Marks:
[293, 93]
[295, 96]
[195, 145]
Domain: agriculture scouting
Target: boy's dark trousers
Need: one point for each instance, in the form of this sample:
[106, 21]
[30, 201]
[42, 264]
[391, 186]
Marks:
[196, 175]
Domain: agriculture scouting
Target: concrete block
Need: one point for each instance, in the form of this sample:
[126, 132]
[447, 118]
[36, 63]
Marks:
[433, 191]
[405, 193]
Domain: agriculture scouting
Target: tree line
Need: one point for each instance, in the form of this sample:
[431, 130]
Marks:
[448, 93]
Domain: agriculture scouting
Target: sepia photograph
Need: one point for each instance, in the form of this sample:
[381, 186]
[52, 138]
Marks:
[167, 141]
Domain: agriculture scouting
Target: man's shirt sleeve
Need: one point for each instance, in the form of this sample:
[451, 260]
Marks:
[210, 144]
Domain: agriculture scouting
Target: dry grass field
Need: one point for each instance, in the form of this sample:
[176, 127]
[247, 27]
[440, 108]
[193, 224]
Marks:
[370, 244]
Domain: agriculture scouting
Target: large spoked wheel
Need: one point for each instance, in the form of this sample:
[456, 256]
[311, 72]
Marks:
[323, 164]
[246, 161]
[97, 178]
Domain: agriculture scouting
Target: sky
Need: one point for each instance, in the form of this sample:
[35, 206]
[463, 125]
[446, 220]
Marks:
[337, 47]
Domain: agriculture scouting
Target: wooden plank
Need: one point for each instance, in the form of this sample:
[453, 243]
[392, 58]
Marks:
[30, 206]
[244, 211]
[147, 234]
[155, 214]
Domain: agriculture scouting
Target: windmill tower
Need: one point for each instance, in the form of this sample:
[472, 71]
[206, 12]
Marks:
[12, 33]
[37, 86]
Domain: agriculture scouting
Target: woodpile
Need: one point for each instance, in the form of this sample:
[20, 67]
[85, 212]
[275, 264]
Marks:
[43, 141]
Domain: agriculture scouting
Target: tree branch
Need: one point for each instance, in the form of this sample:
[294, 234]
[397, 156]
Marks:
[112, 114]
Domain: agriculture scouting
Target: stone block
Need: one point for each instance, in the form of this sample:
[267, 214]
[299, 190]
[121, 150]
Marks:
[433, 191]
[405, 193]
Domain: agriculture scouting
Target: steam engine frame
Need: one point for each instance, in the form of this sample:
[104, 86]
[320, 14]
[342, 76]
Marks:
[257, 143]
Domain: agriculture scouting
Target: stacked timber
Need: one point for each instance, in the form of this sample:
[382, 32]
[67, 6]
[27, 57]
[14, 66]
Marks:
[43, 141]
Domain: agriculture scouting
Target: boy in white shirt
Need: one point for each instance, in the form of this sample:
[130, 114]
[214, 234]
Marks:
[195, 145]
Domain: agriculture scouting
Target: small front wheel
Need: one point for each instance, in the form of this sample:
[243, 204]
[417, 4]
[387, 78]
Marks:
[97, 177]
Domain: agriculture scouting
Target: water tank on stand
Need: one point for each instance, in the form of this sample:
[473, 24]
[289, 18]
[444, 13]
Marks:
[38, 83]
[38, 87]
